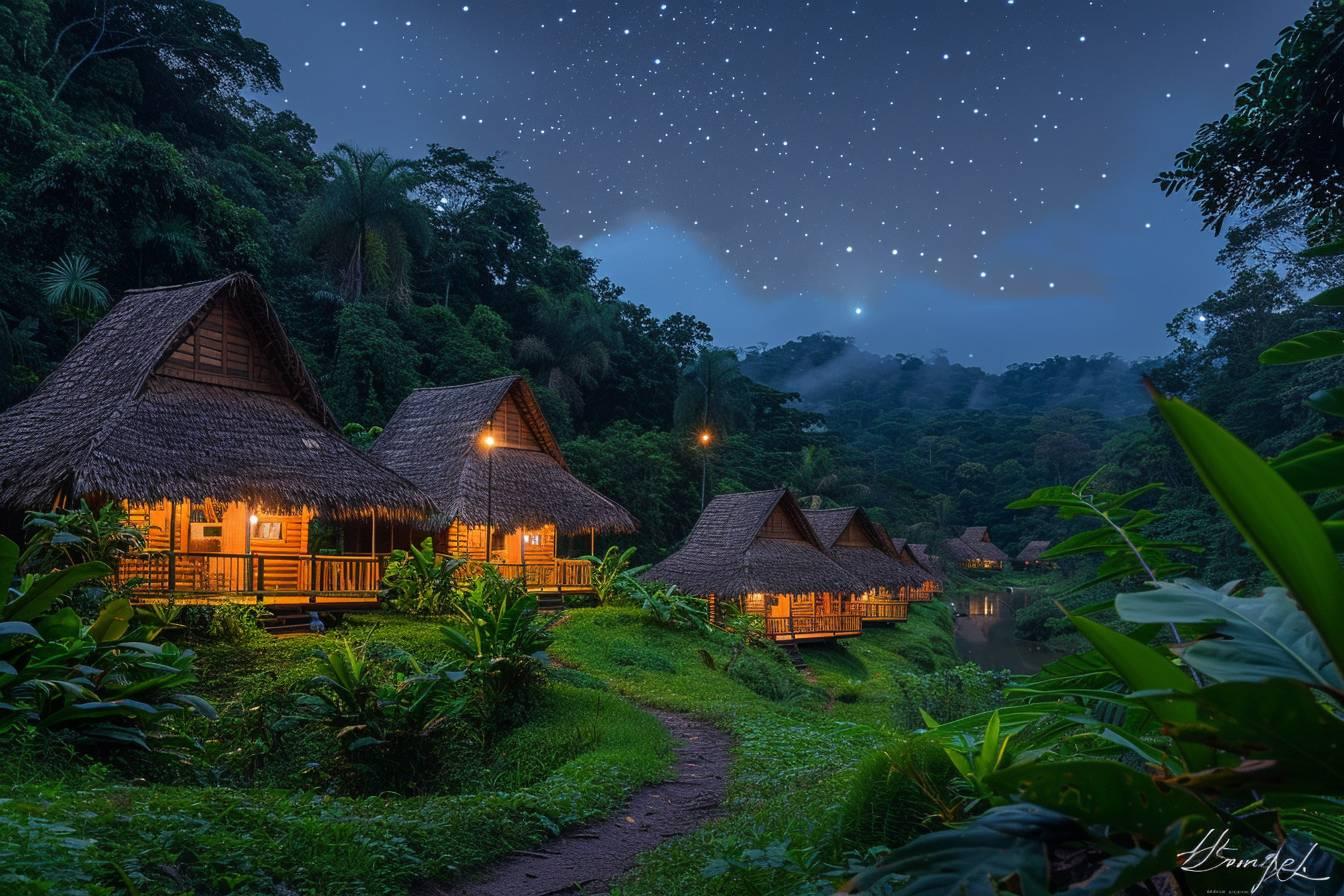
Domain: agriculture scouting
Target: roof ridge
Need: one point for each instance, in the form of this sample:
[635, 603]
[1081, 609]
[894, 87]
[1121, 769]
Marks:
[496, 379]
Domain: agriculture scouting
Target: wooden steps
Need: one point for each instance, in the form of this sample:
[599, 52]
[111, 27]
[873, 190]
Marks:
[550, 603]
[795, 656]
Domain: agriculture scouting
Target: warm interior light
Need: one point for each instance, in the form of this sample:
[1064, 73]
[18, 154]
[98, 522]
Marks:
[252, 519]
[489, 441]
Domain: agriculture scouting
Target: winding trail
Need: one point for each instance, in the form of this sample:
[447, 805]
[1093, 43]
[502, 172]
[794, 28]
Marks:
[587, 860]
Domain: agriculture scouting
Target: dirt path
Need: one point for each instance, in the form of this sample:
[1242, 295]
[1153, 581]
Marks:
[586, 860]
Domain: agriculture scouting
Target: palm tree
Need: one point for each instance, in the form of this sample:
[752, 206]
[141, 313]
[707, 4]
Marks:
[71, 285]
[570, 348]
[715, 394]
[817, 479]
[366, 222]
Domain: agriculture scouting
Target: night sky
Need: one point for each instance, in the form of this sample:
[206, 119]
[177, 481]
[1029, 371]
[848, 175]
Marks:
[967, 175]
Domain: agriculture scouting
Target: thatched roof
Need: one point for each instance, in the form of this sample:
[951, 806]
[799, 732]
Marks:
[875, 562]
[919, 565]
[112, 420]
[927, 560]
[1032, 552]
[435, 440]
[727, 553]
[974, 544]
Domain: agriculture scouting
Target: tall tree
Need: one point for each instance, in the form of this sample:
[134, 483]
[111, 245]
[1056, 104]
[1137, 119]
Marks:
[715, 394]
[366, 223]
[71, 284]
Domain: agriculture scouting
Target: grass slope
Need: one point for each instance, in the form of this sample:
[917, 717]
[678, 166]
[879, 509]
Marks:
[795, 758]
[69, 827]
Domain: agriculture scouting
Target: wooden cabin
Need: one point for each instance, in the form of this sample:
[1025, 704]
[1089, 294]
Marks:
[1030, 556]
[855, 542]
[925, 583]
[757, 551]
[975, 551]
[190, 405]
[487, 457]
[932, 566]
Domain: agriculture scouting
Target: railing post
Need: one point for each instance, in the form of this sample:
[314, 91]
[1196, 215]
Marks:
[261, 574]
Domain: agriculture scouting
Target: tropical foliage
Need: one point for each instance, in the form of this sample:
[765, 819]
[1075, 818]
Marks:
[97, 686]
[420, 582]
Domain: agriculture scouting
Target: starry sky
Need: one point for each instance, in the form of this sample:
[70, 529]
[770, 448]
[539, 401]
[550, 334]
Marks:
[965, 175]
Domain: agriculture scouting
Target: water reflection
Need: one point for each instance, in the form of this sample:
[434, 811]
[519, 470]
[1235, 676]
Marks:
[984, 632]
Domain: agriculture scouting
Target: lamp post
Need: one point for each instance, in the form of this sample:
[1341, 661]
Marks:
[704, 465]
[489, 443]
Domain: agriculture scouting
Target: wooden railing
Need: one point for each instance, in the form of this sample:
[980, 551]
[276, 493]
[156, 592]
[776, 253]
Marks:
[884, 610]
[548, 575]
[786, 627]
[261, 575]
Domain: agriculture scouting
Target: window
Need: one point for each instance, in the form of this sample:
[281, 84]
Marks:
[269, 530]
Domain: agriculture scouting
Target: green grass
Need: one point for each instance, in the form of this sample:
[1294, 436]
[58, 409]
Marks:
[77, 828]
[72, 827]
[795, 761]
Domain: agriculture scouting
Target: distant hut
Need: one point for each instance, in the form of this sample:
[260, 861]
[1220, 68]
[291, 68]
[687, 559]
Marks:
[486, 455]
[925, 581]
[855, 542]
[1030, 556]
[975, 550]
[190, 405]
[757, 551]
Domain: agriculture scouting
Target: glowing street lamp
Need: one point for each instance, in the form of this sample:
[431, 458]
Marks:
[705, 439]
[489, 442]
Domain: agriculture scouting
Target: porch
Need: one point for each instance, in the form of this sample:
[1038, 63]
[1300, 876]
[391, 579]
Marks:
[877, 610]
[192, 577]
[806, 617]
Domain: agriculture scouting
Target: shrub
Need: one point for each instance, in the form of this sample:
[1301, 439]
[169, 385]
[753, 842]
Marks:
[947, 694]
[670, 607]
[614, 579]
[95, 686]
[769, 677]
[421, 583]
[235, 623]
[384, 713]
[500, 643]
[898, 793]
[63, 538]
[640, 658]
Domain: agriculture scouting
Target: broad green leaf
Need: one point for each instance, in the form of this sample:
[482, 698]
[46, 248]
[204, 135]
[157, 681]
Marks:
[1328, 401]
[44, 590]
[1287, 740]
[1314, 466]
[1260, 637]
[1269, 514]
[1100, 792]
[15, 629]
[1330, 297]
[112, 622]
[1142, 667]
[1006, 843]
[1308, 347]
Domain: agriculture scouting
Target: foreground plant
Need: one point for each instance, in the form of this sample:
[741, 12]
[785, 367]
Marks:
[500, 642]
[95, 686]
[614, 578]
[384, 712]
[421, 583]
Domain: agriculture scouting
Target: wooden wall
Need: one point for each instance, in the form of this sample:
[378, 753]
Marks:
[225, 351]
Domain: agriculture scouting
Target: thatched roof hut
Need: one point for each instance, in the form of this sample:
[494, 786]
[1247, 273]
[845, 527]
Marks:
[190, 392]
[1031, 554]
[435, 439]
[927, 560]
[854, 541]
[754, 542]
[974, 548]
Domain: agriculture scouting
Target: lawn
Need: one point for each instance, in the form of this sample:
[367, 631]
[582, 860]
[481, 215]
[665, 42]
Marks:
[204, 827]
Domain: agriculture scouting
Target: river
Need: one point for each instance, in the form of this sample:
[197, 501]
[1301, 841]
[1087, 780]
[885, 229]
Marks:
[984, 632]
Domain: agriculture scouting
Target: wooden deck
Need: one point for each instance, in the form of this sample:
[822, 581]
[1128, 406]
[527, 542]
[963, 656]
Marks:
[814, 628]
[344, 581]
[884, 610]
